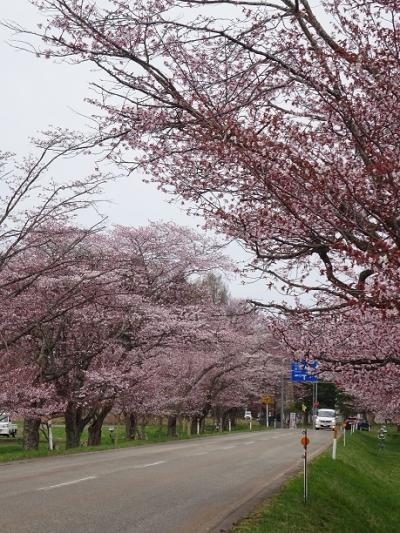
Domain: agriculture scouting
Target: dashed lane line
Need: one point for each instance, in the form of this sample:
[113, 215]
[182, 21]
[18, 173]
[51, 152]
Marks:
[50, 487]
[150, 464]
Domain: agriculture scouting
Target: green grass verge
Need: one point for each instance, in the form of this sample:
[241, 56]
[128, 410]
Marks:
[11, 449]
[359, 492]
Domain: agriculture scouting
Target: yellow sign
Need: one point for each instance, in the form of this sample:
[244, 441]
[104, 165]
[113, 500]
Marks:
[267, 400]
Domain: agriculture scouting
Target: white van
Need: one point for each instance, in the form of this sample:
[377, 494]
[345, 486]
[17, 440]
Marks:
[325, 419]
[7, 428]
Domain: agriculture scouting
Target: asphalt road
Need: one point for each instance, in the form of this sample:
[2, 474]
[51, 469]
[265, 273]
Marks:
[191, 486]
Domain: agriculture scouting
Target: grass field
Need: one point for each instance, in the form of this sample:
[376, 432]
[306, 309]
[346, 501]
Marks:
[359, 492]
[11, 449]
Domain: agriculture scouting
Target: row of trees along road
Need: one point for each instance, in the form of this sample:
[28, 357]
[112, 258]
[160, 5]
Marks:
[130, 320]
[280, 120]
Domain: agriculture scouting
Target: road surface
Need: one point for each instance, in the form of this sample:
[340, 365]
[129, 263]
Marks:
[195, 486]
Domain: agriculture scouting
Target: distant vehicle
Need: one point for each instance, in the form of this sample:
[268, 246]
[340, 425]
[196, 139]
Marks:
[7, 428]
[325, 419]
[247, 415]
[363, 425]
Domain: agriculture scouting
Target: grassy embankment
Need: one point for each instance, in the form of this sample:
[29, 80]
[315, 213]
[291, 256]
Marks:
[11, 449]
[359, 492]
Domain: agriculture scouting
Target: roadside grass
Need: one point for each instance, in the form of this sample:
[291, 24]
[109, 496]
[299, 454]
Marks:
[359, 492]
[11, 449]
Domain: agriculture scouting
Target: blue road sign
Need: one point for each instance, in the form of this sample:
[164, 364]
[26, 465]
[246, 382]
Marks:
[303, 377]
[304, 371]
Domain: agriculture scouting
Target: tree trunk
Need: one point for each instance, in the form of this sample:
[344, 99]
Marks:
[31, 433]
[94, 438]
[74, 425]
[225, 421]
[130, 426]
[141, 434]
[172, 426]
[193, 425]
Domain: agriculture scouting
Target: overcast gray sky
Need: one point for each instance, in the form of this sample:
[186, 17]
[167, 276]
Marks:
[35, 93]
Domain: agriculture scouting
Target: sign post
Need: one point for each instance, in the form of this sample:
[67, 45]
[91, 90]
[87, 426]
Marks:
[305, 441]
[267, 401]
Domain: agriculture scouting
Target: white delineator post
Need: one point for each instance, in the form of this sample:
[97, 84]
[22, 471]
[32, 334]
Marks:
[51, 446]
[198, 426]
[267, 415]
[344, 435]
[250, 424]
[229, 425]
[334, 443]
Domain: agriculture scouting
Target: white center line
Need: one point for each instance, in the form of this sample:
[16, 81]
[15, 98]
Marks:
[247, 443]
[228, 447]
[67, 483]
[150, 464]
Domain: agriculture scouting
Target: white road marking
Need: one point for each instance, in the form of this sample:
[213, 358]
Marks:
[150, 464]
[227, 447]
[67, 483]
[247, 443]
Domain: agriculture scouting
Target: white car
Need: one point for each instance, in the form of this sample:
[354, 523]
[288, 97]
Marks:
[325, 419]
[247, 415]
[7, 428]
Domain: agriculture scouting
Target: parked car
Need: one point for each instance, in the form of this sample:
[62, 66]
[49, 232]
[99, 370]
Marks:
[7, 428]
[363, 425]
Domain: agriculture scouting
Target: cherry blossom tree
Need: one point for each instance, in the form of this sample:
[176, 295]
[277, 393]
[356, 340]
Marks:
[34, 208]
[31, 198]
[91, 325]
[43, 318]
[280, 120]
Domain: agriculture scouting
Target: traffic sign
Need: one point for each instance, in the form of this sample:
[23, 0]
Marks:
[304, 371]
[305, 441]
[267, 400]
